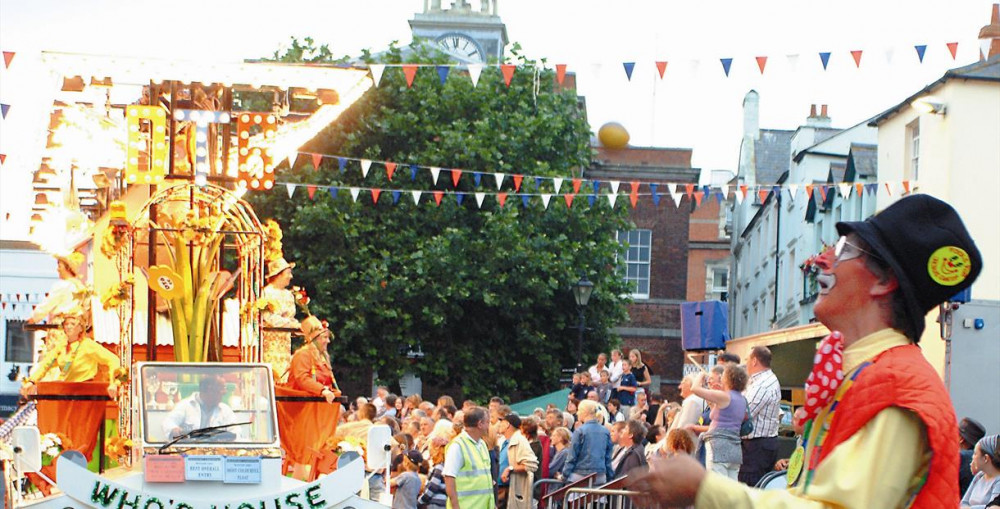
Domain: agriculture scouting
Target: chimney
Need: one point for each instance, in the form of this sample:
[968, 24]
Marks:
[814, 120]
[751, 115]
[989, 35]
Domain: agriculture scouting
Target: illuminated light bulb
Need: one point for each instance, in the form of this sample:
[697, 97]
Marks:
[131, 178]
[160, 129]
[224, 117]
[201, 137]
[132, 112]
[134, 161]
[270, 119]
[178, 115]
[147, 178]
[200, 179]
[244, 118]
[268, 184]
[244, 151]
[245, 135]
[257, 119]
[159, 112]
[254, 183]
[201, 152]
[157, 162]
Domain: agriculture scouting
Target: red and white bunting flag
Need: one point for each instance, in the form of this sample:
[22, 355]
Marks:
[410, 71]
[517, 182]
[455, 175]
[634, 198]
[676, 195]
[7, 57]
[502, 199]
[545, 200]
[576, 185]
[698, 195]
[435, 171]
[859, 188]
[375, 195]
[560, 73]
[761, 62]
[291, 189]
[845, 190]
[438, 195]
[793, 190]
[557, 184]
[822, 192]
[614, 185]
[688, 189]
[416, 197]
[984, 48]
[762, 193]
[508, 72]
[479, 199]
[474, 71]
[725, 191]
[366, 164]
[569, 200]
[661, 67]
[377, 70]
[612, 199]
[856, 54]
[499, 179]
[312, 191]
[906, 186]
[317, 159]
[953, 49]
[390, 168]
[354, 193]
[635, 186]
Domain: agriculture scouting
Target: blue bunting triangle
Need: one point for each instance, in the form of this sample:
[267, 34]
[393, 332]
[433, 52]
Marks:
[443, 72]
[342, 164]
[395, 196]
[538, 182]
[825, 57]
[597, 186]
[524, 200]
[871, 188]
[719, 196]
[726, 64]
[652, 190]
[707, 190]
[459, 197]
[477, 177]
[4, 108]
[628, 69]
[921, 48]
[591, 198]
[333, 193]
[413, 172]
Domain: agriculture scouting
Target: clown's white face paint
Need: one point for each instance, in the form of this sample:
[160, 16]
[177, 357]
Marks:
[826, 282]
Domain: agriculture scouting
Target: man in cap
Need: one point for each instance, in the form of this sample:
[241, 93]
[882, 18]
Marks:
[894, 439]
[202, 409]
[969, 433]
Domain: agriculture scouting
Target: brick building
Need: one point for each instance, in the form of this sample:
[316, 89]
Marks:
[656, 263]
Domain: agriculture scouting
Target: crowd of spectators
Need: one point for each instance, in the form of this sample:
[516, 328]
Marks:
[610, 426]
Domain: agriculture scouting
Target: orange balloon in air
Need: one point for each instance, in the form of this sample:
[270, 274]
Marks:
[613, 135]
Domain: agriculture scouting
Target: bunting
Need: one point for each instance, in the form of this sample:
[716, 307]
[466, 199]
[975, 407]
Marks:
[474, 71]
[856, 54]
[761, 62]
[825, 58]
[508, 73]
[726, 64]
[661, 67]
[376, 70]
[7, 57]
[628, 69]
[561, 73]
[410, 72]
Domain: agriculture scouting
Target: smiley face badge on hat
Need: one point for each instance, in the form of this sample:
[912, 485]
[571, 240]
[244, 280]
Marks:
[949, 265]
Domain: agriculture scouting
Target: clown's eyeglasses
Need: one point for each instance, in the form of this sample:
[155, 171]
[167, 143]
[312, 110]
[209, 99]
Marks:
[844, 251]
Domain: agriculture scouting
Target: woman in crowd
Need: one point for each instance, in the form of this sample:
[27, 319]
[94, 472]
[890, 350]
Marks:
[411, 403]
[615, 411]
[539, 444]
[310, 369]
[654, 437]
[560, 441]
[723, 449]
[640, 370]
[434, 495]
[281, 313]
[591, 448]
[985, 485]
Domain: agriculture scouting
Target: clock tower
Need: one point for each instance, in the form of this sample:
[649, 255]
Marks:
[470, 35]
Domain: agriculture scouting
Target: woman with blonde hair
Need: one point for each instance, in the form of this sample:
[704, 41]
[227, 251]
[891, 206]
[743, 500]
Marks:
[591, 444]
[640, 370]
[434, 495]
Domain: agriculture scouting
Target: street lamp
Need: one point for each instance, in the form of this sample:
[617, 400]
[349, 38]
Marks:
[581, 292]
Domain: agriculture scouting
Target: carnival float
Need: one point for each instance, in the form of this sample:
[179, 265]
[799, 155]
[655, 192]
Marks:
[171, 400]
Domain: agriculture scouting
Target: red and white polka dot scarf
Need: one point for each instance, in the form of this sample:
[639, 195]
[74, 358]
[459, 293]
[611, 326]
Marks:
[827, 374]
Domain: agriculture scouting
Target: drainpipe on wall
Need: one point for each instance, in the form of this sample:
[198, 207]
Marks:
[777, 259]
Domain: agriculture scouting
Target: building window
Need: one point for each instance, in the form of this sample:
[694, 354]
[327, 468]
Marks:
[635, 270]
[720, 279]
[20, 346]
[913, 151]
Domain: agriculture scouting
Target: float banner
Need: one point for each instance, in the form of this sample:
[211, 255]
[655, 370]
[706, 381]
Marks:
[87, 489]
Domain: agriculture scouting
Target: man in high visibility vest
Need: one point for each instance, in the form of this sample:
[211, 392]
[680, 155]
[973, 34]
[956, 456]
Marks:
[467, 477]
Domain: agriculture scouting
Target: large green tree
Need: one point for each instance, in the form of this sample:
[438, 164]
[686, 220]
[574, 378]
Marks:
[483, 293]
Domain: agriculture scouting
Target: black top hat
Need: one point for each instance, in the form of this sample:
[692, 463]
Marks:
[971, 431]
[928, 248]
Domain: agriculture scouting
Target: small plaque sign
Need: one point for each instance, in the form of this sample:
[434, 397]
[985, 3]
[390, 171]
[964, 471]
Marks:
[164, 468]
[203, 468]
[242, 470]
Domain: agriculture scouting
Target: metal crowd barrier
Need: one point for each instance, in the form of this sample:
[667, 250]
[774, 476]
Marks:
[603, 498]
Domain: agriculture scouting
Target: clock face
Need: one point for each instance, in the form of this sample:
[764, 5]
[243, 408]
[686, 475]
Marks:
[461, 46]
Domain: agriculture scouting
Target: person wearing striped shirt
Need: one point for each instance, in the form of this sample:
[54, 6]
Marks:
[763, 393]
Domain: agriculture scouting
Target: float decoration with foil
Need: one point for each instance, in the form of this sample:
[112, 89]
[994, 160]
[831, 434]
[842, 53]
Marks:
[201, 120]
[146, 158]
[255, 164]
